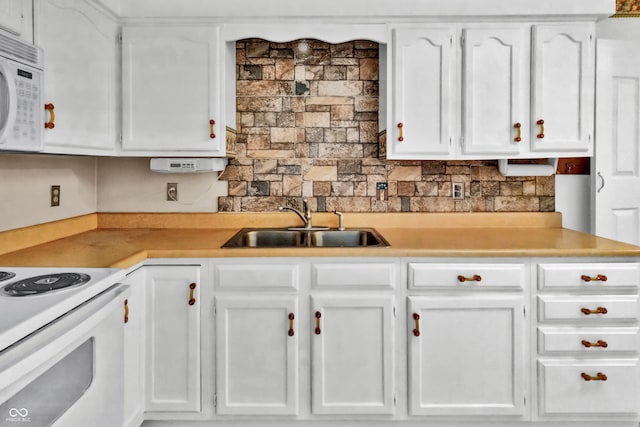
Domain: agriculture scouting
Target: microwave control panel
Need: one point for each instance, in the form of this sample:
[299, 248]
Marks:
[28, 125]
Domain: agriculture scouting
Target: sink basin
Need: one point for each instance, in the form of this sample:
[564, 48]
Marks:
[287, 238]
[265, 239]
[346, 238]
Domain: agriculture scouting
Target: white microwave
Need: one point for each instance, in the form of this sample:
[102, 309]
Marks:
[21, 92]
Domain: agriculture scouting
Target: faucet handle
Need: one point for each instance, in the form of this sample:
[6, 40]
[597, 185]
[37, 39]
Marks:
[340, 220]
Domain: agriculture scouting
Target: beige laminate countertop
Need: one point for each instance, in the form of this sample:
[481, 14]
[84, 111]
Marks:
[109, 244]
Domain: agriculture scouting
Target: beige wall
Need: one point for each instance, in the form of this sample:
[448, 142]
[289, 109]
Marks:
[128, 185]
[123, 184]
[25, 183]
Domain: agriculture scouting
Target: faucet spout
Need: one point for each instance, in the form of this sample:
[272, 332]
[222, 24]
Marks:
[305, 217]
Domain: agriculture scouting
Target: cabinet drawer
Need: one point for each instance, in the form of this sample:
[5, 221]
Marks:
[257, 276]
[591, 308]
[589, 276]
[465, 276]
[379, 275]
[588, 341]
[565, 391]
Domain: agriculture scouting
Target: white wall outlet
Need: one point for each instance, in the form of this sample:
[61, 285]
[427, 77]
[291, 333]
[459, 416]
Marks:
[55, 195]
[457, 190]
[172, 191]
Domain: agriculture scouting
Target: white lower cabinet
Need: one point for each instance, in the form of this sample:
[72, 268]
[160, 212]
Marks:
[352, 354]
[173, 339]
[134, 357]
[299, 341]
[588, 341]
[466, 355]
[257, 355]
[589, 387]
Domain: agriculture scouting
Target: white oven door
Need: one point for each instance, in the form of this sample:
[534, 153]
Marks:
[69, 373]
[8, 100]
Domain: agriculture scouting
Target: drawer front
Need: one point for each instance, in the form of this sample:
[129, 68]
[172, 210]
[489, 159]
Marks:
[589, 341]
[565, 391]
[589, 276]
[340, 275]
[591, 308]
[465, 276]
[252, 276]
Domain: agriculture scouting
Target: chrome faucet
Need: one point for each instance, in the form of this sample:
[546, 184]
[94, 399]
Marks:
[306, 217]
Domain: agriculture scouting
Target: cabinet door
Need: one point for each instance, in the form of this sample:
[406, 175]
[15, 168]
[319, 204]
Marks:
[352, 355]
[589, 388]
[466, 355]
[173, 339]
[424, 93]
[257, 347]
[562, 88]
[12, 16]
[134, 363]
[494, 90]
[80, 76]
[171, 89]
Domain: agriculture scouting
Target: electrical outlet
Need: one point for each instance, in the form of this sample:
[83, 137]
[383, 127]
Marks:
[55, 195]
[172, 191]
[382, 191]
[457, 190]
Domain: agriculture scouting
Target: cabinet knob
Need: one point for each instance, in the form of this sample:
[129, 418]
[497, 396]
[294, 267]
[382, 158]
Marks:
[318, 316]
[192, 290]
[598, 278]
[474, 278]
[400, 137]
[416, 330]
[599, 377]
[599, 343]
[598, 310]
[291, 317]
[52, 116]
[541, 124]
[518, 128]
[212, 133]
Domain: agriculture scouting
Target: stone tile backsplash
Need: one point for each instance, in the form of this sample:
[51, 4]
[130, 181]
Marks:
[307, 127]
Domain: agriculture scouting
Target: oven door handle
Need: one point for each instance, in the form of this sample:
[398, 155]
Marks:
[50, 344]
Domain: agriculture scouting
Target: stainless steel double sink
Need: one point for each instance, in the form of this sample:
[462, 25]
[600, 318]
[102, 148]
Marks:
[299, 237]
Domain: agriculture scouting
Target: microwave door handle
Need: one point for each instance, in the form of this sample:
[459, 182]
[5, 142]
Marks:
[10, 87]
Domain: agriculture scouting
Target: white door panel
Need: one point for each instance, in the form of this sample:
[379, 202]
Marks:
[616, 176]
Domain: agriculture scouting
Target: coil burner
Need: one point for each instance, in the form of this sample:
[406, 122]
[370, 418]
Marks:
[46, 283]
[6, 275]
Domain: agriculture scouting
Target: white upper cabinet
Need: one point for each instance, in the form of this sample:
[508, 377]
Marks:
[494, 89]
[14, 17]
[171, 90]
[562, 88]
[423, 92]
[81, 83]
[491, 91]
